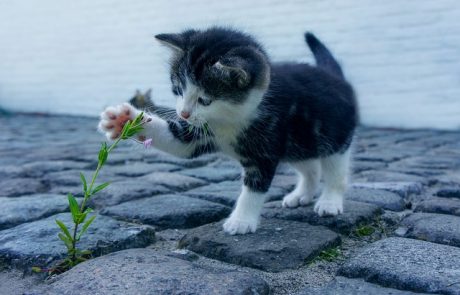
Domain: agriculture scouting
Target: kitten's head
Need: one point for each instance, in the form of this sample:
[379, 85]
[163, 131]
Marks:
[217, 75]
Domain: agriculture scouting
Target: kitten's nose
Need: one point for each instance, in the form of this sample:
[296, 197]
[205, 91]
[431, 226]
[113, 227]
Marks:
[185, 115]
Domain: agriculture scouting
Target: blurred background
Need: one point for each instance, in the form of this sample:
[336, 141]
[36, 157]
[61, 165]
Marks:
[77, 57]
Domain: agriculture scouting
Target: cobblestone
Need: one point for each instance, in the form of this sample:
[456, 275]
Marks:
[404, 183]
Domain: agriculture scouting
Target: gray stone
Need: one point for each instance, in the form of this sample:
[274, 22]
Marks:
[123, 191]
[169, 211]
[30, 208]
[439, 205]
[437, 228]
[160, 157]
[404, 189]
[286, 182]
[345, 286]
[37, 243]
[145, 271]
[140, 168]
[360, 166]
[213, 174]
[355, 213]
[227, 192]
[453, 192]
[383, 198]
[39, 168]
[20, 186]
[174, 181]
[275, 246]
[388, 176]
[72, 177]
[407, 264]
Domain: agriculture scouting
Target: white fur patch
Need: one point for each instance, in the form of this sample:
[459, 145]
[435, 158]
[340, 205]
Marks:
[245, 217]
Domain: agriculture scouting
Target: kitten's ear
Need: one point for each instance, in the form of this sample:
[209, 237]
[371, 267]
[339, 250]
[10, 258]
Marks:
[138, 92]
[233, 70]
[148, 93]
[173, 41]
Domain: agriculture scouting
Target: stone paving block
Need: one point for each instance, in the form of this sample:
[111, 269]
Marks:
[383, 198]
[345, 286]
[72, 177]
[213, 174]
[37, 244]
[174, 181]
[20, 186]
[451, 192]
[388, 176]
[437, 228]
[161, 157]
[169, 211]
[276, 245]
[359, 166]
[407, 264]
[10, 171]
[439, 205]
[145, 271]
[227, 192]
[140, 168]
[15, 211]
[355, 213]
[40, 168]
[123, 191]
[404, 189]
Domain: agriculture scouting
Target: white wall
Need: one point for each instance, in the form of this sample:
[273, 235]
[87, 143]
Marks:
[79, 56]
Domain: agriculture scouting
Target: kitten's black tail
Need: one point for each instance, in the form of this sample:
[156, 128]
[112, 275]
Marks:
[323, 56]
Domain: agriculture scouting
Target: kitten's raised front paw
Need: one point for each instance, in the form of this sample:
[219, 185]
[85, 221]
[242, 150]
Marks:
[328, 207]
[114, 118]
[293, 200]
[235, 226]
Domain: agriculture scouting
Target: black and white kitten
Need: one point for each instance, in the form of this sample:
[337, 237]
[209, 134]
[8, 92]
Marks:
[230, 98]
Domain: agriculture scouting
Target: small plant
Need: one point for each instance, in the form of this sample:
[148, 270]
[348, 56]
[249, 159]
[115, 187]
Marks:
[330, 254]
[80, 212]
[364, 231]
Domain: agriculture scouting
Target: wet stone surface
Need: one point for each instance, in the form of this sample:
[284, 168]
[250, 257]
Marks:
[405, 183]
[37, 244]
[145, 271]
[169, 211]
[407, 264]
[355, 214]
[274, 247]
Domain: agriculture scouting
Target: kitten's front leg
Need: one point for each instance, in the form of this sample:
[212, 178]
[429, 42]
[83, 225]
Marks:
[245, 217]
[168, 136]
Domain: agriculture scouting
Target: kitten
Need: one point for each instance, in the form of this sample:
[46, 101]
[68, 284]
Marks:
[231, 98]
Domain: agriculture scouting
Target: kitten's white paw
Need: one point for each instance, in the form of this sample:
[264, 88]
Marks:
[305, 201]
[291, 200]
[329, 207]
[114, 118]
[235, 226]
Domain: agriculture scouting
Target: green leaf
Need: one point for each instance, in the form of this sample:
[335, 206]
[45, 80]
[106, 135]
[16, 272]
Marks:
[81, 217]
[66, 241]
[138, 119]
[125, 129]
[83, 180]
[74, 208]
[103, 154]
[36, 269]
[85, 226]
[64, 229]
[100, 187]
[134, 131]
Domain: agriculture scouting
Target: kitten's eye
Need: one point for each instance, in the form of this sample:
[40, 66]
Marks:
[203, 101]
[177, 91]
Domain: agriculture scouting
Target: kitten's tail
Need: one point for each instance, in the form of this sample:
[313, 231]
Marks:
[323, 56]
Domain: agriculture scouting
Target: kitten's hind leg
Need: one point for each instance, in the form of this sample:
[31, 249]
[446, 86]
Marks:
[309, 173]
[335, 175]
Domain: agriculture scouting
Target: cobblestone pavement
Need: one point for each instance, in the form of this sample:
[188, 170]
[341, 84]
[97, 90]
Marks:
[158, 229]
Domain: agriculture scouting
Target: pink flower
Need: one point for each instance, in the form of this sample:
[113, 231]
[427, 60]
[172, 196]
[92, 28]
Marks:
[147, 143]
